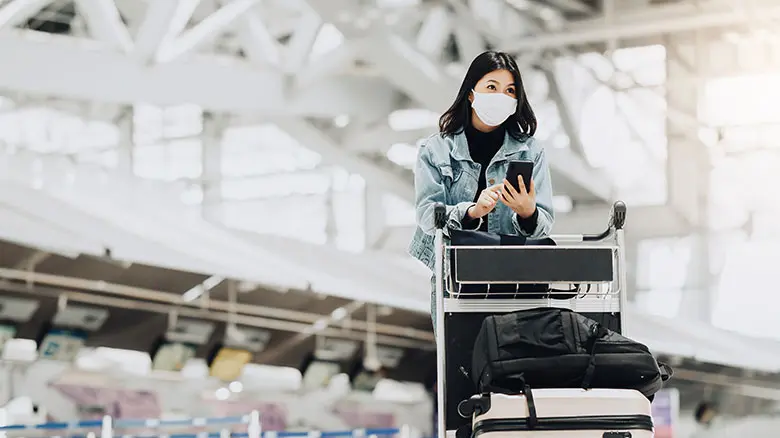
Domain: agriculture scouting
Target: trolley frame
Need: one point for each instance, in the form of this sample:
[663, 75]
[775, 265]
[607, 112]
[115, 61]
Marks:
[458, 319]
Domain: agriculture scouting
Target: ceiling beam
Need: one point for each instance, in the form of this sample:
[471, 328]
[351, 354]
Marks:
[16, 12]
[298, 49]
[105, 23]
[318, 141]
[214, 83]
[205, 31]
[435, 31]
[163, 21]
[260, 46]
[655, 21]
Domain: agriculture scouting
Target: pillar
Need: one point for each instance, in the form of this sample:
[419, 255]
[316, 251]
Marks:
[375, 218]
[331, 222]
[126, 126]
[211, 176]
[688, 166]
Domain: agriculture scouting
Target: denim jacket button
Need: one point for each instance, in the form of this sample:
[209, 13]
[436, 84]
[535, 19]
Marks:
[491, 181]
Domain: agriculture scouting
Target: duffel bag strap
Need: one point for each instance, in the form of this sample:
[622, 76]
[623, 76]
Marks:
[529, 399]
[597, 331]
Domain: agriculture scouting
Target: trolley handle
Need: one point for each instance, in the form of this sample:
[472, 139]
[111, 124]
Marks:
[617, 220]
[439, 215]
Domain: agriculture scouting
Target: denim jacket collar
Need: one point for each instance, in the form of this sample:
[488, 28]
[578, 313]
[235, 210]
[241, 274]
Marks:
[460, 150]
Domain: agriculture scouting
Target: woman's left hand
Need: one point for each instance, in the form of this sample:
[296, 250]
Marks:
[522, 202]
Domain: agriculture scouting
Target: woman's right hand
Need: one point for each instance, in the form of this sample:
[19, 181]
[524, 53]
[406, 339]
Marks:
[486, 202]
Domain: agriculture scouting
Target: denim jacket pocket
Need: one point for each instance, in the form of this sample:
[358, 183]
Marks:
[449, 173]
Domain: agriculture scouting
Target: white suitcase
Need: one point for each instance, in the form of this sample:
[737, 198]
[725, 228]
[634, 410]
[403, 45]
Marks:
[561, 413]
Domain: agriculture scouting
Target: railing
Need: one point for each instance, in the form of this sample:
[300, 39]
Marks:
[108, 427]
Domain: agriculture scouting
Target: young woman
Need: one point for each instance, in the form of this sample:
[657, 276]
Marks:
[463, 166]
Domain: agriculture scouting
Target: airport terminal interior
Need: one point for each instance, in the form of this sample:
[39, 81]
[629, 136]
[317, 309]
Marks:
[206, 205]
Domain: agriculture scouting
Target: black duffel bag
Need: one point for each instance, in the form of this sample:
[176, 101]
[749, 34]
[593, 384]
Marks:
[558, 348]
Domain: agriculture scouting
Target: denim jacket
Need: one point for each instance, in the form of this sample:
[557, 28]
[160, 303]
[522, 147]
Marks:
[445, 173]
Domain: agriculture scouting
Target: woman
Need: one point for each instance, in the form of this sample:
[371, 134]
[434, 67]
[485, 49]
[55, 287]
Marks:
[463, 166]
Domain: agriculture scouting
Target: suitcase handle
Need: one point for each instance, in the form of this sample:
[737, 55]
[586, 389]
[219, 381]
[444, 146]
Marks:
[477, 404]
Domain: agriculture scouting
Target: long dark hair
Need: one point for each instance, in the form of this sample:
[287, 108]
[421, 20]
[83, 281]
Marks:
[521, 125]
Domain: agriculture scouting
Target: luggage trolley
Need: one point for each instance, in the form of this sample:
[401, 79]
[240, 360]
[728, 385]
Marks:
[592, 266]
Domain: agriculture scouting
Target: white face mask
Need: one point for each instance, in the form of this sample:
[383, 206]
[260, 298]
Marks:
[493, 108]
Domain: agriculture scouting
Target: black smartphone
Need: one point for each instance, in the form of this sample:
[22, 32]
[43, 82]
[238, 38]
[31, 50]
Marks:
[517, 168]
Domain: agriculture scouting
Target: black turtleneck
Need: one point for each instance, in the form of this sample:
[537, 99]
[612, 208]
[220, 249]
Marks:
[483, 146]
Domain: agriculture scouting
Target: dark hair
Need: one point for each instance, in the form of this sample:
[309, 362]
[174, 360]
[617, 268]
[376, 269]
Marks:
[521, 125]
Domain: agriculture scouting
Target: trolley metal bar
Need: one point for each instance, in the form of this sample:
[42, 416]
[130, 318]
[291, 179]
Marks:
[440, 218]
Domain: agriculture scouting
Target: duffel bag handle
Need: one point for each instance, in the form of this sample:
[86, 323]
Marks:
[666, 371]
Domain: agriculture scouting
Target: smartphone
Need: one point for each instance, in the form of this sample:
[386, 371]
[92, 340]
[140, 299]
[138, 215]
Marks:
[517, 168]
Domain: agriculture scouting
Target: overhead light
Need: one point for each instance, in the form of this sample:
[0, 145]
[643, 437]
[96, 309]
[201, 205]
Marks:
[236, 386]
[520, 5]
[412, 118]
[402, 154]
[212, 281]
[384, 310]
[320, 325]
[562, 204]
[339, 314]
[200, 289]
[246, 286]
[222, 394]
[396, 3]
[341, 121]
[192, 294]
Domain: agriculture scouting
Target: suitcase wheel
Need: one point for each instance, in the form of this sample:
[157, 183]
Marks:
[478, 404]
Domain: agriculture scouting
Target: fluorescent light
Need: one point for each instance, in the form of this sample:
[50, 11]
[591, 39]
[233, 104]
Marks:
[193, 294]
[236, 386]
[402, 154]
[212, 282]
[341, 121]
[397, 3]
[562, 204]
[412, 118]
[339, 314]
[222, 394]
[320, 325]
[198, 290]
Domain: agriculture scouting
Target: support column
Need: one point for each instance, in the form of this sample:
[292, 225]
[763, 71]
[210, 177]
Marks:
[688, 166]
[375, 219]
[211, 176]
[331, 223]
[126, 144]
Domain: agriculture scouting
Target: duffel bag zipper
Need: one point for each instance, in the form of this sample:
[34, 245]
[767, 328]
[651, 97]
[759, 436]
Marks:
[607, 423]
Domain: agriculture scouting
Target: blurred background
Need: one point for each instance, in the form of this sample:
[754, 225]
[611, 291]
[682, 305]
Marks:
[205, 204]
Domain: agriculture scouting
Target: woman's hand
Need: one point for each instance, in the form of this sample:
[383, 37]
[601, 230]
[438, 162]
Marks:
[522, 202]
[486, 202]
